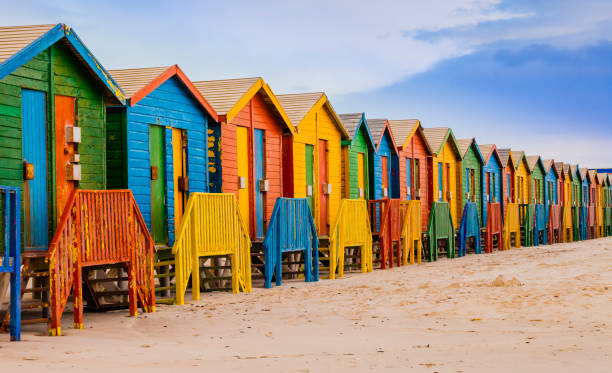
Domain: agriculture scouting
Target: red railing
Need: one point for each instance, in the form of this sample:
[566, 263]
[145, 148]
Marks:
[494, 227]
[386, 216]
[99, 227]
[554, 224]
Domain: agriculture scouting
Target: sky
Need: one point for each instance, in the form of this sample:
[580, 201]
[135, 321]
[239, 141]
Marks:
[533, 75]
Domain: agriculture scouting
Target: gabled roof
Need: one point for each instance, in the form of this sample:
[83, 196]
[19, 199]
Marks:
[560, 168]
[138, 83]
[378, 127]
[518, 156]
[353, 122]
[488, 150]
[584, 174]
[229, 96]
[299, 105]
[533, 161]
[404, 129]
[438, 136]
[549, 164]
[575, 171]
[19, 44]
[602, 178]
[464, 146]
[592, 174]
[506, 156]
[567, 171]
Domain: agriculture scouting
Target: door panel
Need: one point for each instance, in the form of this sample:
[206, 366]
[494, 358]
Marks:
[323, 180]
[35, 151]
[384, 169]
[258, 159]
[361, 175]
[64, 117]
[440, 182]
[158, 185]
[309, 158]
[242, 142]
[408, 179]
[179, 161]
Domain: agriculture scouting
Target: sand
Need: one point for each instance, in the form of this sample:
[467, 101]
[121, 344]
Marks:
[545, 309]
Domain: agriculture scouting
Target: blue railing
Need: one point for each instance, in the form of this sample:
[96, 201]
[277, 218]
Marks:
[291, 229]
[541, 220]
[10, 206]
[469, 227]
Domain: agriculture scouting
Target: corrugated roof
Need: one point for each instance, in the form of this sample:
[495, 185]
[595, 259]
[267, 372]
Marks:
[486, 150]
[224, 94]
[377, 126]
[464, 145]
[532, 160]
[574, 169]
[351, 122]
[403, 129]
[504, 154]
[15, 38]
[517, 156]
[133, 80]
[548, 163]
[592, 174]
[435, 137]
[560, 167]
[297, 105]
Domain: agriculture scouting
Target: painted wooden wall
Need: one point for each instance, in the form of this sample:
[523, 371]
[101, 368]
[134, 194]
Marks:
[385, 149]
[551, 188]
[317, 125]
[568, 190]
[537, 174]
[577, 189]
[55, 71]
[413, 150]
[350, 182]
[522, 189]
[492, 168]
[508, 186]
[449, 159]
[172, 106]
[471, 161]
[256, 114]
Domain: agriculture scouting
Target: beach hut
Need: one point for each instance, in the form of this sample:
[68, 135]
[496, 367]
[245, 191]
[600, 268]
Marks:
[413, 151]
[536, 177]
[355, 156]
[568, 203]
[445, 166]
[523, 195]
[551, 200]
[493, 192]
[607, 202]
[249, 150]
[591, 201]
[508, 178]
[578, 217]
[384, 162]
[157, 144]
[317, 155]
[472, 163]
[599, 206]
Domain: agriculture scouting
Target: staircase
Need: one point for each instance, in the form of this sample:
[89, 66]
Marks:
[386, 224]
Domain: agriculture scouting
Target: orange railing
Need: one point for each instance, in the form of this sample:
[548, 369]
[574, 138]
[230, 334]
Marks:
[386, 222]
[99, 227]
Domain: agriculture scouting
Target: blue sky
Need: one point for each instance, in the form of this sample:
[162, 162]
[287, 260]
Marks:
[528, 74]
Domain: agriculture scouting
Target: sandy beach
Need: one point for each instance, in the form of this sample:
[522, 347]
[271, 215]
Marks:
[544, 309]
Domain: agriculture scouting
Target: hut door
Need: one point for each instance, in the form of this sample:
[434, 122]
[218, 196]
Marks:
[258, 159]
[34, 138]
[440, 182]
[242, 142]
[158, 185]
[64, 117]
[309, 160]
[181, 180]
[408, 179]
[384, 167]
[324, 191]
[361, 175]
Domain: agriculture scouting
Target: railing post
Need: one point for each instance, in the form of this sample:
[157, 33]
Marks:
[77, 272]
[15, 251]
[195, 259]
[132, 294]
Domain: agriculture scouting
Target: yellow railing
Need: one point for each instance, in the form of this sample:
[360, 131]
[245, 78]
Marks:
[512, 225]
[411, 231]
[211, 225]
[352, 229]
[567, 224]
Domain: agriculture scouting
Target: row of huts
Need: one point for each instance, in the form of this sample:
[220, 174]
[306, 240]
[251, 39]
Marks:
[66, 123]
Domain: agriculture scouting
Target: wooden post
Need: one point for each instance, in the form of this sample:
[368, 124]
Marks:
[195, 259]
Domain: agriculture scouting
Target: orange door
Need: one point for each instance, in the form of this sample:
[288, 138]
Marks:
[323, 187]
[64, 117]
[384, 169]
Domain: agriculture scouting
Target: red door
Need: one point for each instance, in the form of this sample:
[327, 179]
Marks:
[64, 117]
[384, 167]
[323, 229]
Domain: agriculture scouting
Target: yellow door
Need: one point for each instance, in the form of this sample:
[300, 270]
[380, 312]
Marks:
[180, 173]
[361, 175]
[242, 140]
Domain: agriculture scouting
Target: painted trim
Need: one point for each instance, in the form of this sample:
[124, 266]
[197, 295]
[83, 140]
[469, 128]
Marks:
[387, 127]
[418, 128]
[363, 122]
[324, 101]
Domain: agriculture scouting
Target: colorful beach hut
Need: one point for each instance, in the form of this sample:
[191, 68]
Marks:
[537, 175]
[578, 218]
[445, 166]
[249, 151]
[599, 207]
[607, 203]
[156, 149]
[414, 171]
[472, 163]
[355, 156]
[567, 200]
[591, 175]
[508, 183]
[384, 162]
[523, 195]
[493, 192]
[551, 201]
[317, 155]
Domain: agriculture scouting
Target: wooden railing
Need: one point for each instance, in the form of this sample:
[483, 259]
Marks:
[494, 227]
[554, 224]
[412, 242]
[211, 226]
[512, 225]
[567, 225]
[540, 225]
[99, 227]
[352, 229]
[591, 222]
[291, 229]
[10, 247]
[386, 222]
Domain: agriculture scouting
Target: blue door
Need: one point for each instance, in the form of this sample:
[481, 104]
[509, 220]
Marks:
[34, 139]
[258, 158]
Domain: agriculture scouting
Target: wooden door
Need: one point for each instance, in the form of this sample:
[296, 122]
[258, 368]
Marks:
[64, 117]
[242, 146]
[361, 176]
[489, 190]
[384, 170]
[180, 175]
[441, 182]
[34, 138]
[323, 181]
[309, 171]
[408, 179]
[158, 185]
[258, 160]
